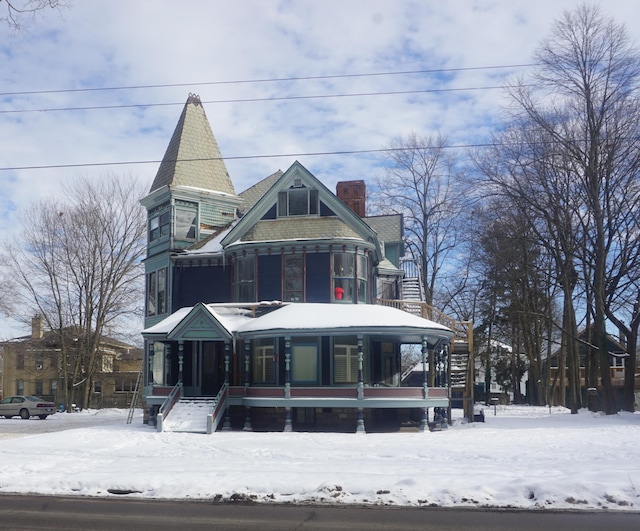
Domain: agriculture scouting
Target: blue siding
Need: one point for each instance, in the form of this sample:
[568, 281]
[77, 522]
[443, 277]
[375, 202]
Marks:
[318, 277]
[200, 284]
[269, 278]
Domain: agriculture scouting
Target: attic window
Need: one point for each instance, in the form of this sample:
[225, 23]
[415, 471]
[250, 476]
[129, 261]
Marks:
[298, 202]
[297, 183]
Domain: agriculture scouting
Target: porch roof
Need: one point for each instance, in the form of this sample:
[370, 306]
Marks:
[296, 319]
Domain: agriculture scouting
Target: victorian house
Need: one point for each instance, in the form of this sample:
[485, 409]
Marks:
[276, 308]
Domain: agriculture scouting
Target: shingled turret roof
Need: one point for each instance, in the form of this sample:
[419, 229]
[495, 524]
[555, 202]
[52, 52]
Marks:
[193, 157]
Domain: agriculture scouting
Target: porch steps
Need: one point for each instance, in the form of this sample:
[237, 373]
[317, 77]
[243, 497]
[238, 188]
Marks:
[189, 415]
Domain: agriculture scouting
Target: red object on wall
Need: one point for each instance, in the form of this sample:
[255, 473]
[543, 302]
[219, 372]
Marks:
[339, 292]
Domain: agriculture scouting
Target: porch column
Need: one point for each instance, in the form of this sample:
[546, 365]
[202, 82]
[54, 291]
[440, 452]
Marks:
[288, 425]
[150, 358]
[180, 360]
[247, 361]
[226, 424]
[424, 424]
[287, 367]
[360, 371]
[227, 360]
[360, 425]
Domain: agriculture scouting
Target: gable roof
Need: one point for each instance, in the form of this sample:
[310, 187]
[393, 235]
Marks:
[297, 171]
[253, 194]
[193, 158]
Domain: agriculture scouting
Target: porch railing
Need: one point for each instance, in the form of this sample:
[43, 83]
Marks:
[169, 402]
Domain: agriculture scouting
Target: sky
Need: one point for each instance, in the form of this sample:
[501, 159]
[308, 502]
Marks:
[99, 87]
[521, 457]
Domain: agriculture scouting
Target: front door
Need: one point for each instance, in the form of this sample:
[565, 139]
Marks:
[212, 367]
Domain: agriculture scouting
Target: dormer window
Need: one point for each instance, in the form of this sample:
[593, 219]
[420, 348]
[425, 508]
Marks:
[298, 201]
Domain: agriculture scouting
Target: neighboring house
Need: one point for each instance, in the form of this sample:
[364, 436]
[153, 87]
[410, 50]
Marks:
[31, 368]
[267, 299]
[617, 355]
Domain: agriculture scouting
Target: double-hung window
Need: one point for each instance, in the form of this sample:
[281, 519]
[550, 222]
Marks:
[159, 225]
[264, 361]
[345, 360]
[157, 292]
[293, 281]
[246, 279]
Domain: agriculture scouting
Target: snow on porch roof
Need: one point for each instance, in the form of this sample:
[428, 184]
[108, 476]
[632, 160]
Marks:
[345, 318]
[309, 319]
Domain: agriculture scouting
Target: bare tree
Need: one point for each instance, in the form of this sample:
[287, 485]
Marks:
[584, 101]
[16, 11]
[421, 182]
[78, 264]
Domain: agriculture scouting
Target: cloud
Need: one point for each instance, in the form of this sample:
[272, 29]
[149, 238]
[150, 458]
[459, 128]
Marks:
[107, 44]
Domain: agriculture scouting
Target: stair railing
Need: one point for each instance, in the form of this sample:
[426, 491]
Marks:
[217, 410]
[169, 402]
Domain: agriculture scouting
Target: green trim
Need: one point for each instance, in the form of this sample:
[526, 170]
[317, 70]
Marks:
[199, 325]
[298, 171]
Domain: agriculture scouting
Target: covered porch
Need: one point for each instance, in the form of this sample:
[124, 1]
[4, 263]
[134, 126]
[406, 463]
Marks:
[293, 363]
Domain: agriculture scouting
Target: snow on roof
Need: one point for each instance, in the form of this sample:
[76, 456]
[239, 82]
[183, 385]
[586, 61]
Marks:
[305, 317]
[309, 316]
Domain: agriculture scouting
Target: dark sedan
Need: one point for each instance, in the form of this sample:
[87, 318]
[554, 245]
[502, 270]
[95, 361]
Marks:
[25, 407]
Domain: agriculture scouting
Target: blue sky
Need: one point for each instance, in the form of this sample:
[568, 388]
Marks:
[104, 43]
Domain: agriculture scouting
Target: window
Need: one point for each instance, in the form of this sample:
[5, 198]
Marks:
[343, 276]
[160, 359]
[186, 223]
[361, 274]
[304, 362]
[19, 387]
[39, 362]
[293, 281]
[264, 361]
[53, 386]
[19, 361]
[298, 202]
[157, 292]
[125, 385]
[39, 387]
[159, 225]
[97, 387]
[345, 360]
[350, 271]
[245, 279]
[107, 364]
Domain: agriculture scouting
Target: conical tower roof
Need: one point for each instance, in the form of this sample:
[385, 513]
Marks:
[193, 157]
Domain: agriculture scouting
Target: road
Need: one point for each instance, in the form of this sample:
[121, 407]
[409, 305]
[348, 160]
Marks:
[53, 513]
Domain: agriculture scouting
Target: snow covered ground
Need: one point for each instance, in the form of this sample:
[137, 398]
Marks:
[524, 457]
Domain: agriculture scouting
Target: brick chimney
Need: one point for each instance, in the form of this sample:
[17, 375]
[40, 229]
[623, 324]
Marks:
[354, 195]
[37, 330]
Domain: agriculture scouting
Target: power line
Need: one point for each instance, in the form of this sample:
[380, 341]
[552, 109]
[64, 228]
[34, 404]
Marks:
[238, 157]
[250, 100]
[266, 80]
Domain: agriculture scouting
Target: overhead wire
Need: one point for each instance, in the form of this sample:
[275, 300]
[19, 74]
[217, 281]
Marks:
[265, 80]
[246, 100]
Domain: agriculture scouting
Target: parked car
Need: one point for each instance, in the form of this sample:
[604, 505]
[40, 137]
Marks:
[25, 407]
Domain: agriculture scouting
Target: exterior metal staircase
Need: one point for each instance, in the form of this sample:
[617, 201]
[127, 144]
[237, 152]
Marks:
[189, 414]
[459, 364]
